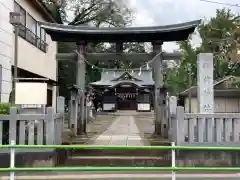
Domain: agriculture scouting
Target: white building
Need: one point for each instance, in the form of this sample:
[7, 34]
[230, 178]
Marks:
[36, 52]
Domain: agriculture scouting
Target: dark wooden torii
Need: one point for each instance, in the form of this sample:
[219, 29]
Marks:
[155, 34]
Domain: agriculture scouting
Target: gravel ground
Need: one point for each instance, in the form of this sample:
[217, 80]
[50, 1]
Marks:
[98, 126]
[145, 124]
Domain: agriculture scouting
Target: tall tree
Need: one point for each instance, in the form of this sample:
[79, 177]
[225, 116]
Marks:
[98, 13]
[220, 36]
[177, 78]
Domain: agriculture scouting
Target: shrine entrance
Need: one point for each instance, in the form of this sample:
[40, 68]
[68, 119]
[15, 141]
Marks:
[150, 81]
[126, 97]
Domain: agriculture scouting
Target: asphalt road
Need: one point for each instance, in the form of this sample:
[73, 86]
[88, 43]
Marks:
[121, 176]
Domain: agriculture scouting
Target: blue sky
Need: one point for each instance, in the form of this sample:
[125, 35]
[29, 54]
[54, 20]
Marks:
[163, 12]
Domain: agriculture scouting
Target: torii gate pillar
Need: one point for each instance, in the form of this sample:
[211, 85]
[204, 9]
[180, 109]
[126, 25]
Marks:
[158, 79]
[80, 82]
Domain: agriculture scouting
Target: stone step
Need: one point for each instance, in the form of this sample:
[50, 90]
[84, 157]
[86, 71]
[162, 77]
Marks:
[160, 161]
[120, 152]
[143, 117]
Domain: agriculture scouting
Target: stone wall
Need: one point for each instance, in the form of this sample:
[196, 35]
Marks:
[208, 158]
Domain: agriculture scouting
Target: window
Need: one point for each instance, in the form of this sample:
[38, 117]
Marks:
[30, 29]
[43, 35]
[31, 24]
[43, 39]
[38, 36]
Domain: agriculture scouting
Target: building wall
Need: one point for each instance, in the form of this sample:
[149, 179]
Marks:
[6, 49]
[32, 58]
[194, 105]
[221, 105]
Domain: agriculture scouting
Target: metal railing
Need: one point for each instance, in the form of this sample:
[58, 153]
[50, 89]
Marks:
[32, 38]
[12, 169]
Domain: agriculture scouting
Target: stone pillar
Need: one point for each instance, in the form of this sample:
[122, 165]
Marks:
[80, 82]
[205, 83]
[158, 79]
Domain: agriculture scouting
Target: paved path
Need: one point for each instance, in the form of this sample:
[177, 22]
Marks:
[123, 131]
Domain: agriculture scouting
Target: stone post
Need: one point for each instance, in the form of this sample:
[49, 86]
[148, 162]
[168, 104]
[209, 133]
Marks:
[158, 79]
[12, 125]
[73, 108]
[50, 126]
[80, 82]
[179, 126]
[60, 121]
[205, 83]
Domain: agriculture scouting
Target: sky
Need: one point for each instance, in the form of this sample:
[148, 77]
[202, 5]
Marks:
[164, 12]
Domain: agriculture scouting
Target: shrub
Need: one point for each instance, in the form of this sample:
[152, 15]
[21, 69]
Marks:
[4, 107]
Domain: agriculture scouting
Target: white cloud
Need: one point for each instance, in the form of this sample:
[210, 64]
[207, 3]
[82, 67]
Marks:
[163, 12]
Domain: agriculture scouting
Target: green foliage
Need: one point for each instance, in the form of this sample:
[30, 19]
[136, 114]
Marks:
[4, 107]
[220, 36]
[99, 13]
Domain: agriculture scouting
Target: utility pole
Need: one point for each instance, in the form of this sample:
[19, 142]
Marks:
[15, 21]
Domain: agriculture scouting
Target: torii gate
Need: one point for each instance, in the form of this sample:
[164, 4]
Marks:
[155, 34]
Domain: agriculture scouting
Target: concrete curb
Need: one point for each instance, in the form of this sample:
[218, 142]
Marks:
[104, 176]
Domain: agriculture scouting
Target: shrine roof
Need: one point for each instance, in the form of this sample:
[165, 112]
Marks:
[225, 87]
[70, 33]
[113, 78]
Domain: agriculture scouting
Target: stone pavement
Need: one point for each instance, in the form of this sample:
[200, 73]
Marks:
[123, 131]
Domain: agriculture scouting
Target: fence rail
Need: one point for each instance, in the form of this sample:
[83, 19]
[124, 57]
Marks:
[173, 168]
[31, 128]
[205, 129]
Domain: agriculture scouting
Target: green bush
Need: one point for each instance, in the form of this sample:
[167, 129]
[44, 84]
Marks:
[4, 107]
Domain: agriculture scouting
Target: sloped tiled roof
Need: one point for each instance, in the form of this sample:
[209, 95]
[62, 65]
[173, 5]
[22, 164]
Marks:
[112, 78]
[193, 89]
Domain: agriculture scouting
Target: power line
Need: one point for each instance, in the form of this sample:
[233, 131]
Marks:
[225, 4]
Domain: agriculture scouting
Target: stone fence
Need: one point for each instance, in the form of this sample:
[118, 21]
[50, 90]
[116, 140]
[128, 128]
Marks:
[30, 129]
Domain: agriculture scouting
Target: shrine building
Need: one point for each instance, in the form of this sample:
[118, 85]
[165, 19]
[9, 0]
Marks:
[124, 90]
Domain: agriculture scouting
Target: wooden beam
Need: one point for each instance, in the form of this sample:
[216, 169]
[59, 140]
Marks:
[123, 57]
[120, 56]
[66, 56]
[171, 56]
[130, 57]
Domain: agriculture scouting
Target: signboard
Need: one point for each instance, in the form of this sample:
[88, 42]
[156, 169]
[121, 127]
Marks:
[30, 93]
[205, 83]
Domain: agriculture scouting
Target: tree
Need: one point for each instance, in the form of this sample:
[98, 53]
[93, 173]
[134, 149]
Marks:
[112, 13]
[177, 78]
[220, 36]
[96, 12]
